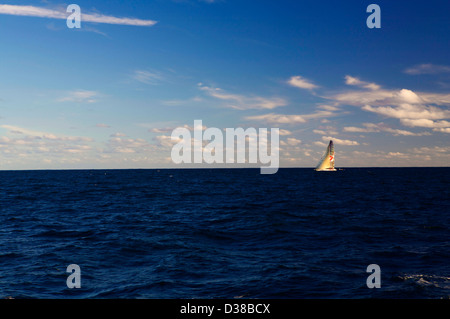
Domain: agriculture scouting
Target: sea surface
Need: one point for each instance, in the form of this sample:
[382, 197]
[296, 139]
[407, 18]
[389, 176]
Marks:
[225, 233]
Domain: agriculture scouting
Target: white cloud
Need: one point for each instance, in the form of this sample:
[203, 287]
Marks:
[432, 150]
[242, 102]
[118, 134]
[277, 118]
[396, 154]
[147, 77]
[427, 68]
[102, 125]
[425, 123]
[32, 11]
[328, 107]
[413, 109]
[381, 127]
[284, 132]
[442, 129]
[274, 118]
[80, 96]
[301, 83]
[167, 141]
[127, 145]
[339, 141]
[293, 141]
[409, 111]
[38, 148]
[169, 129]
[161, 130]
[435, 98]
[407, 96]
[385, 97]
[350, 80]
[32, 134]
[325, 130]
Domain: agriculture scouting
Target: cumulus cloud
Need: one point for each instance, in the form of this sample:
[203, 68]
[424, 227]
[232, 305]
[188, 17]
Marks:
[413, 109]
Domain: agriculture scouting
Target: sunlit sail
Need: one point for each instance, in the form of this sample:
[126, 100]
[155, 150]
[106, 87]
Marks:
[327, 161]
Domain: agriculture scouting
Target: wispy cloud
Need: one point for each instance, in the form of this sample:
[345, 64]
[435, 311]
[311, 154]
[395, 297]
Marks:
[118, 134]
[54, 27]
[427, 68]
[177, 102]
[161, 130]
[242, 102]
[350, 80]
[147, 77]
[102, 125]
[33, 11]
[43, 135]
[381, 127]
[80, 96]
[273, 118]
[301, 83]
[328, 107]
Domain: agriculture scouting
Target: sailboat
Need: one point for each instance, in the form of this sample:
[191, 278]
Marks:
[327, 161]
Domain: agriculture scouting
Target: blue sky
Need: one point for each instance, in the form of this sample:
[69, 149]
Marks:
[109, 95]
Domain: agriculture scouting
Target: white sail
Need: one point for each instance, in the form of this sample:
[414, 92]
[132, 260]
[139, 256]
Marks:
[327, 161]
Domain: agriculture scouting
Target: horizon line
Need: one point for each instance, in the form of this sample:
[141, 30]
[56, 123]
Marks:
[167, 168]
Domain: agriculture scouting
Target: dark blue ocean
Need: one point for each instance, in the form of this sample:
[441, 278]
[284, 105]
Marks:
[225, 233]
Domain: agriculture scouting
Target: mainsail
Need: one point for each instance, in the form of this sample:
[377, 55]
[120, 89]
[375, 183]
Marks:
[327, 161]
